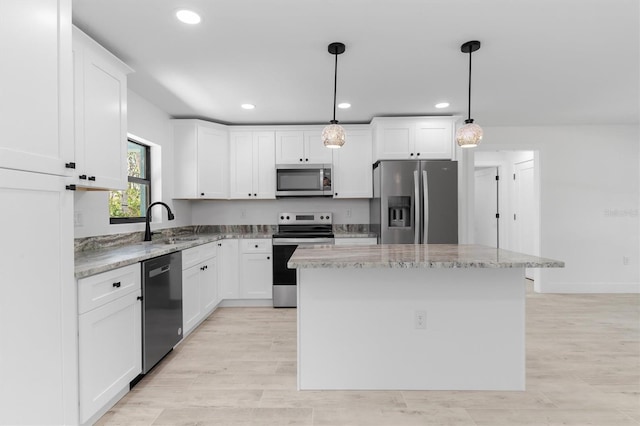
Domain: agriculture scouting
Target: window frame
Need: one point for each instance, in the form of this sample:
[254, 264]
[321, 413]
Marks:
[132, 179]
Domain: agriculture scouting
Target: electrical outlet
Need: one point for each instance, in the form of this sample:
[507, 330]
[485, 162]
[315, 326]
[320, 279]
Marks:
[348, 212]
[77, 219]
[625, 260]
[420, 320]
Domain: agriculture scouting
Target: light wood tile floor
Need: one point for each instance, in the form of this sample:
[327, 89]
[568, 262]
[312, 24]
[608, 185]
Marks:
[239, 368]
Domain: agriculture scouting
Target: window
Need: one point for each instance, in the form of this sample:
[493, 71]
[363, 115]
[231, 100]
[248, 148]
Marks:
[131, 205]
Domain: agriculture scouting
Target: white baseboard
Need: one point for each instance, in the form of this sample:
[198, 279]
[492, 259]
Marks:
[228, 303]
[596, 287]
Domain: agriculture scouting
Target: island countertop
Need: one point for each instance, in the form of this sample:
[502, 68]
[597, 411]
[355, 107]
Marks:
[415, 256]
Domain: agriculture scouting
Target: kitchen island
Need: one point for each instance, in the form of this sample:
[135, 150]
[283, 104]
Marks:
[415, 317]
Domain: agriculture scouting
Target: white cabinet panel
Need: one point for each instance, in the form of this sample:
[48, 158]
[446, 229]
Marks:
[110, 351]
[38, 303]
[256, 272]
[252, 165]
[352, 166]
[228, 270]
[302, 146]
[434, 139]
[100, 112]
[36, 104]
[199, 284]
[96, 290]
[191, 307]
[418, 138]
[315, 151]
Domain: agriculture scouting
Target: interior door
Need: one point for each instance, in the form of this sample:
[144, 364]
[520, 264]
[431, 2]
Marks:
[486, 207]
[524, 210]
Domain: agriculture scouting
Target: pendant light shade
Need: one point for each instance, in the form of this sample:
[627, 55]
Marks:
[333, 136]
[469, 135]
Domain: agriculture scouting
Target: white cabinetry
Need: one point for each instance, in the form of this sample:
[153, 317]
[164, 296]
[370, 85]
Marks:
[302, 146]
[256, 269]
[228, 269]
[199, 284]
[352, 177]
[357, 241]
[415, 138]
[201, 160]
[36, 104]
[109, 338]
[100, 112]
[252, 163]
[38, 367]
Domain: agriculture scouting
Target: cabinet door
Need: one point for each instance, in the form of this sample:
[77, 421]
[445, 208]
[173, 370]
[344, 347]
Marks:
[209, 285]
[213, 163]
[434, 139]
[191, 306]
[395, 140]
[109, 351]
[36, 104]
[315, 151]
[264, 165]
[352, 170]
[289, 147]
[101, 115]
[256, 273]
[185, 159]
[241, 164]
[38, 302]
[228, 270]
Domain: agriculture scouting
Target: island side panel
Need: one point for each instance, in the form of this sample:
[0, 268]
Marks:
[357, 329]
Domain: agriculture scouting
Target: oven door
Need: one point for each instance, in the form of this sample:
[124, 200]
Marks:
[285, 279]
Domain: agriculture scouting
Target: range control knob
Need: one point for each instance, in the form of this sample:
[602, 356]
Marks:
[321, 217]
[281, 217]
[287, 217]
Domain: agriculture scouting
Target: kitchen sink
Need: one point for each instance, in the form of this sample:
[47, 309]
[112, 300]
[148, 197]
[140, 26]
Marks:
[176, 240]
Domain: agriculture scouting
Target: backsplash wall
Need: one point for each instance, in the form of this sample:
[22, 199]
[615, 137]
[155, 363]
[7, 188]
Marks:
[246, 212]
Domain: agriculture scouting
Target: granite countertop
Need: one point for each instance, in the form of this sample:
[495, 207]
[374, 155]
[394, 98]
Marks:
[91, 262]
[415, 256]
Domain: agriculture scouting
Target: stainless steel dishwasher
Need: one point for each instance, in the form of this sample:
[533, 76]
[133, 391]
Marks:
[161, 307]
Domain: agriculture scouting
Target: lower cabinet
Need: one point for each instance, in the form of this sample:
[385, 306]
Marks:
[199, 284]
[109, 336]
[256, 280]
[228, 272]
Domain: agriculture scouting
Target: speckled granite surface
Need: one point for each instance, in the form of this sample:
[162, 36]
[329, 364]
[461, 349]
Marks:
[415, 256]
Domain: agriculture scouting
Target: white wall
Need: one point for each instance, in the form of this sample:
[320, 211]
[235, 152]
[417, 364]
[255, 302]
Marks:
[151, 124]
[265, 212]
[589, 198]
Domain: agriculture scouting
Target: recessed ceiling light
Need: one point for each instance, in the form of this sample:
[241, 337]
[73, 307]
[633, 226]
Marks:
[188, 17]
[248, 106]
[442, 105]
[344, 105]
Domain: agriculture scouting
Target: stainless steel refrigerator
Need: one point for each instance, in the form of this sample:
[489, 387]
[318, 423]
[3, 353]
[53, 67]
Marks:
[415, 202]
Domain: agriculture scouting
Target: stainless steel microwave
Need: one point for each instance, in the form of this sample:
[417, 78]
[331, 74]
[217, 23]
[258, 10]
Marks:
[303, 180]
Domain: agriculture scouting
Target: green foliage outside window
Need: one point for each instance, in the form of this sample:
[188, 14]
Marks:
[132, 203]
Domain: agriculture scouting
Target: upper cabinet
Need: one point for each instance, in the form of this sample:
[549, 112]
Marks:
[301, 147]
[352, 171]
[36, 104]
[201, 160]
[100, 111]
[252, 164]
[415, 138]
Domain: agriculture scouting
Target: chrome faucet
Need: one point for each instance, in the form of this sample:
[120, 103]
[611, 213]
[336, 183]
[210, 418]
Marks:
[147, 229]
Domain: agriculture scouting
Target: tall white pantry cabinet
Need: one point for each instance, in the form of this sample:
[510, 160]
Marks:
[38, 352]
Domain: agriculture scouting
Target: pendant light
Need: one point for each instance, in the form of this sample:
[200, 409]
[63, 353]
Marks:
[469, 135]
[333, 135]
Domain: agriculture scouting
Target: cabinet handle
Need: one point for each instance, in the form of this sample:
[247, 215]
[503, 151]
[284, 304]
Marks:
[71, 187]
[117, 285]
[336, 194]
[92, 178]
[301, 159]
[418, 154]
[249, 194]
[70, 165]
[139, 298]
[83, 177]
[219, 244]
[306, 159]
[256, 246]
[255, 195]
[411, 154]
[268, 257]
[202, 194]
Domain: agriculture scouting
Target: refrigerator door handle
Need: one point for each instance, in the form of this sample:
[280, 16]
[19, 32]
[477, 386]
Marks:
[425, 195]
[416, 203]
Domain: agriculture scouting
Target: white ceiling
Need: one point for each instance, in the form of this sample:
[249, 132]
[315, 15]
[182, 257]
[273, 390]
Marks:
[541, 61]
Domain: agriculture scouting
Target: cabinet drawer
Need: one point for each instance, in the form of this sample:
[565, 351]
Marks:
[262, 245]
[194, 255]
[96, 290]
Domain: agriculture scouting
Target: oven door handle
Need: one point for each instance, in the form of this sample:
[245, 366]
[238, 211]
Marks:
[301, 241]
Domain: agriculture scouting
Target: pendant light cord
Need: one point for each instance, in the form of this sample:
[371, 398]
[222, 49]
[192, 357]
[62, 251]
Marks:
[469, 117]
[335, 89]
